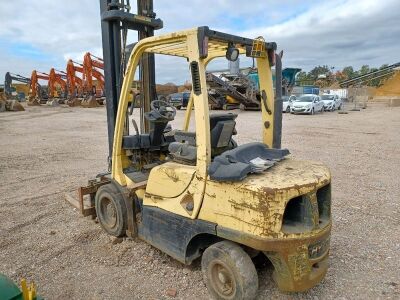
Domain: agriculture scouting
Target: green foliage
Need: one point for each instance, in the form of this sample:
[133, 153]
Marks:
[348, 72]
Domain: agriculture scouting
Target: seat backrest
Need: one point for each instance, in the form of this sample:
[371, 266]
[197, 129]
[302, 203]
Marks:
[222, 127]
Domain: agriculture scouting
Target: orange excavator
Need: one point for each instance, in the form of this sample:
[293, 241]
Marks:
[56, 79]
[75, 84]
[91, 64]
[36, 91]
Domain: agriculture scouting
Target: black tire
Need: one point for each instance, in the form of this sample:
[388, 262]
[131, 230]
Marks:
[178, 107]
[312, 111]
[229, 272]
[340, 107]
[288, 109]
[111, 210]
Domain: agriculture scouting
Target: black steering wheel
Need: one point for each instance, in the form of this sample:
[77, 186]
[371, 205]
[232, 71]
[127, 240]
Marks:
[163, 109]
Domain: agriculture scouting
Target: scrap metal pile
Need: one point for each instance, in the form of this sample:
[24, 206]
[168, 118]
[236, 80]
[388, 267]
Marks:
[230, 91]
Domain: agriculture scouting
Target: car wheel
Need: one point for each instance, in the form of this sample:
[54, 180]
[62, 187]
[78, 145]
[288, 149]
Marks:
[288, 109]
[340, 107]
[312, 111]
[178, 107]
[229, 272]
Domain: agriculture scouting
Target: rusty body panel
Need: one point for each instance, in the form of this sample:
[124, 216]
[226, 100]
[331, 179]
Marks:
[250, 212]
[256, 204]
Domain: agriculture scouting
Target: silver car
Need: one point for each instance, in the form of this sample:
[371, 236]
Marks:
[307, 104]
[287, 102]
[331, 102]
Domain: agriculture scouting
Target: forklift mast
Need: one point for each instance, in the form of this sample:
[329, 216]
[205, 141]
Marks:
[116, 20]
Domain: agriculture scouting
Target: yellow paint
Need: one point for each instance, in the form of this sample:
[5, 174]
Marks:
[256, 204]
[265, 79]
[28, 293]
[170, 179]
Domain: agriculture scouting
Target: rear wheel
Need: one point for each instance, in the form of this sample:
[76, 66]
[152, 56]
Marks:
[178, 107]
[229, 272]
[111, 210]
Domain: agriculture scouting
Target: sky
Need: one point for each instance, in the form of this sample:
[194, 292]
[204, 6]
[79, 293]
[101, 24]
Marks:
[44, 34]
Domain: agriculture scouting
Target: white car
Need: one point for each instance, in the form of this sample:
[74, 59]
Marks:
[307, 104]
[331, 102]
[287, 102]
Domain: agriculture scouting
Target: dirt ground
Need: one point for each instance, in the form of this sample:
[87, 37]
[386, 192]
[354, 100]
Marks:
[47, 151]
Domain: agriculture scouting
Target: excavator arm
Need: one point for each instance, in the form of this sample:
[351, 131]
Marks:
[89, 66]
[35, 87]
[93, 61]
[74, 83]
[9, 78]
[55, 79]
[99, 77]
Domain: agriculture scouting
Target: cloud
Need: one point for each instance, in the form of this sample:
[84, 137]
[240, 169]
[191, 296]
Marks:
[338, 32]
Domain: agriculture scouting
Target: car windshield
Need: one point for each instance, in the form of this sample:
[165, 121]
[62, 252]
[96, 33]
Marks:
[285, 98]
[305, 99]
[176, 96]
[327, 97]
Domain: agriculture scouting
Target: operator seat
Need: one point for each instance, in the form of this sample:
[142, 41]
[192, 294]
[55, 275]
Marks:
[222, 127]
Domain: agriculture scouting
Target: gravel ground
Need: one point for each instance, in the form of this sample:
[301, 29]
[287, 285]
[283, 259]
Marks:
[48, 151]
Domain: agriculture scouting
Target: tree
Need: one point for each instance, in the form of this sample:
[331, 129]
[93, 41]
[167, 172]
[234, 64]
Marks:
[320, 70]
[301, 76]
[364, 70]
[349, 72]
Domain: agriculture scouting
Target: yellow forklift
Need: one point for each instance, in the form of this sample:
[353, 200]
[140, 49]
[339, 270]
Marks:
[197, 194]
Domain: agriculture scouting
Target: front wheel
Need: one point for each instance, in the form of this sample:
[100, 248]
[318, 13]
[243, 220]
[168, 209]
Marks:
[111, 210]
[312, 111]
[288, 109]
[229, 272]
[178, 107]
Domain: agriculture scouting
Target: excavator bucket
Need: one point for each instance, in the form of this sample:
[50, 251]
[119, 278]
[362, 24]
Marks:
[14, 105]
[52, 102]
[2, 105]
[33, 101]
[72, 102]
[90, 102]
